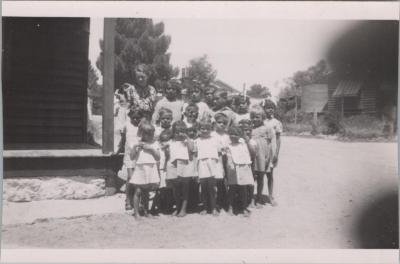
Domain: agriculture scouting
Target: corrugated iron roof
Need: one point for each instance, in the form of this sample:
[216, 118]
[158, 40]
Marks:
[387, 86]
[347, 88]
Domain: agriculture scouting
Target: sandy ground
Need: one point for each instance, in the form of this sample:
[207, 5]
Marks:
[326, 190]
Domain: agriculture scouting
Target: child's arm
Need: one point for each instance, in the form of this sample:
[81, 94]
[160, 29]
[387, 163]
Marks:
[251, 147]
[154, 152]
[136, 150]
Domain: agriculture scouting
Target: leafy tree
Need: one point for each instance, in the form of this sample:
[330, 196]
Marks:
[201, 69]
[139, 40]
[259, 91]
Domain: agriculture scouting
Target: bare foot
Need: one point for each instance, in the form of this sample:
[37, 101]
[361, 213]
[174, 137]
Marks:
[128, 206]
[246, 213]
[181, 214]
[137, 217]
[215, 212]
[174, 213]
[230, 211]
[252, 205]
[273, 202]
[204, 212]
[259, 206]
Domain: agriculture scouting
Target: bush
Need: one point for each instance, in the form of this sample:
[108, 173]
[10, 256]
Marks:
[362, 126]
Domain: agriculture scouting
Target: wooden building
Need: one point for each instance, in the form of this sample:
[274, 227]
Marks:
[44, 85]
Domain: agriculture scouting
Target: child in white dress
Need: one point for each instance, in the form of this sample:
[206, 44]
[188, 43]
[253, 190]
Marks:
[130, 131]
[145, 177]
[207, 155]
[222, 137]
[238, 169]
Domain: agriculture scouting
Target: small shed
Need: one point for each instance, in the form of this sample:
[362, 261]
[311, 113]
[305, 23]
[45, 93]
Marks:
[314, 98]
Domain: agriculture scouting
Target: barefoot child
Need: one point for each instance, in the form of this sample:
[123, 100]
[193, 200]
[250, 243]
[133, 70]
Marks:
[207, 155]
[220, 126]
[238, 169]
[130, 131]
[178, 160]
[145, 177]
[246, 126]
[163, 198]
[262, 135]
[276, 125]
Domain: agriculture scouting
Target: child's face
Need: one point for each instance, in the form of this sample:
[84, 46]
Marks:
[269, 111]
[191, 113]
[170, 92]
[195, 95]
[148, 136]
[192, 133]
[220, 101]
[135, 119]
[166, 120]
[234, 138]
[180, 133]
[221, 124]
[209, 96]
[205, 131]
[256, 119]
[243, 106]
[246, 129]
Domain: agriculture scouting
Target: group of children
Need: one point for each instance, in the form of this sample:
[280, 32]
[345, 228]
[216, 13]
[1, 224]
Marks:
[200, 155]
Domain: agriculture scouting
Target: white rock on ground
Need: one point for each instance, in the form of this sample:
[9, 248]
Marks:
[48, 188]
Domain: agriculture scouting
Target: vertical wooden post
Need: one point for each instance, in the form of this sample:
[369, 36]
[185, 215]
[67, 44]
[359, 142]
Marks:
[342, 108]
[295, 104]
[108, 86]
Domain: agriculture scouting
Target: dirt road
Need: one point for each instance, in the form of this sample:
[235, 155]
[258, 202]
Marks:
[331, 194]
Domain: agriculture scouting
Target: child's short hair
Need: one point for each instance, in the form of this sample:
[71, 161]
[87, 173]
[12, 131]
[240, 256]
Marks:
[145, 127]
[135, 111]
[178, 126]
[221, 115]
[192, 105]
[164, 111]
[268, 103]
[194, 85]
[235, 131]
[257, 110]
[205, 123]
[176, 84]
[245, 122]
[165, 135]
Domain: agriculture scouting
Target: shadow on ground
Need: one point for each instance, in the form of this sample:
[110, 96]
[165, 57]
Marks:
[378, 224]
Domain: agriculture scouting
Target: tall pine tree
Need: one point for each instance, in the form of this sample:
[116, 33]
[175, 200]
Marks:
[137, 41]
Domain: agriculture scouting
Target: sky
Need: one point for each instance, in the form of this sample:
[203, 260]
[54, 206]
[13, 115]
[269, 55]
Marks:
[245, 51]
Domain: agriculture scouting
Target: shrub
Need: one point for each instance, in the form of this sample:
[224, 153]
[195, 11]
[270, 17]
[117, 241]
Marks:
[362, 126]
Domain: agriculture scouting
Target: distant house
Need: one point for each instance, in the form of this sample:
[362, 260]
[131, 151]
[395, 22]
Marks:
[352, 96]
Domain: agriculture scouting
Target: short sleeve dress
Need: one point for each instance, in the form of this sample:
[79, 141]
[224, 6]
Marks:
[146, 169]
[261, 135]
[238, 164]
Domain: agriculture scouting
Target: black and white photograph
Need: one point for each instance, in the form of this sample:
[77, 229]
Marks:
[284, 131]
